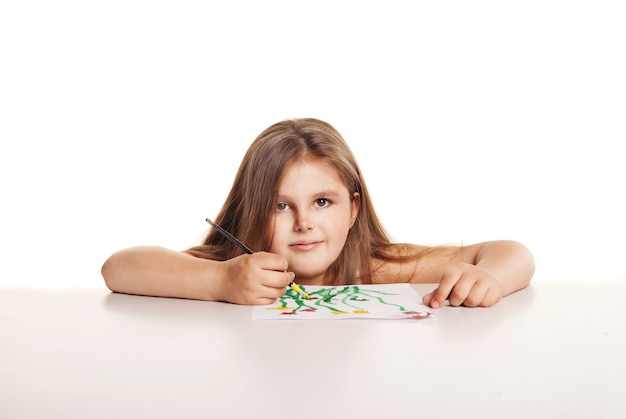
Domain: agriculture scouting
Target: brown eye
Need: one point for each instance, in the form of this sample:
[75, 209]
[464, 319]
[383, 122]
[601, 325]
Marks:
[322, 202]
[281, 206]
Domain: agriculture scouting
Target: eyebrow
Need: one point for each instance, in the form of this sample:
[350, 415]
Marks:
[321, 194]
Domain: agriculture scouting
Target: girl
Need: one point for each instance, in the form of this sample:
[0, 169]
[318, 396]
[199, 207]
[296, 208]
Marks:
[300, 202]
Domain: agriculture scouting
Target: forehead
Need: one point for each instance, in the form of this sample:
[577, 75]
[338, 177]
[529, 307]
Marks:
[311, 176]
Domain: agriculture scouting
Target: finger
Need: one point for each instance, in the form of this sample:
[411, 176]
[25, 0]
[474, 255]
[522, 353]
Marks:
[259, 301]
[264, 301]
[438, 296]
[261, 295]
[477, 295]
[272, 261]
[446, 285]
[427, 298]
[460, 292]
[277, 280]
[491, 297]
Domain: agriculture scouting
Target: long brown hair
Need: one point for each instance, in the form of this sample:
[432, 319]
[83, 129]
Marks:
[252, 200]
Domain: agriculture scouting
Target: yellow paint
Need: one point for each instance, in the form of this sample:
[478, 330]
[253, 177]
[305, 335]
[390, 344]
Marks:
[360, 311]
[296, 288]
[281, 308]
[340, 312]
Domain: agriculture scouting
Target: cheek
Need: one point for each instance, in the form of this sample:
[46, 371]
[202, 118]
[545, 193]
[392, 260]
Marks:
[339, 229]
[346, 221]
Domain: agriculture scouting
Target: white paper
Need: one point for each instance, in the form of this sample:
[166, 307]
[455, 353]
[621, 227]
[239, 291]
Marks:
[384, 301]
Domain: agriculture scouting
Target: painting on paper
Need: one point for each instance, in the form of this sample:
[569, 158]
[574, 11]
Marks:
[388, 301]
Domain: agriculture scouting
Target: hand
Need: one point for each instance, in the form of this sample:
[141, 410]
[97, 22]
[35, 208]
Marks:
[468, 285]
[255, 279]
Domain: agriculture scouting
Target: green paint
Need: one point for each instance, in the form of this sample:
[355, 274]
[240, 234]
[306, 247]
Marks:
[326, 298]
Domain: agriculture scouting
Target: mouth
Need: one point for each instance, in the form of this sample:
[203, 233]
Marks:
[305, 246]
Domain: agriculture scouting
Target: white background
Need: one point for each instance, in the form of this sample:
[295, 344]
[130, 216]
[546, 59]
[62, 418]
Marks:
[123, 122]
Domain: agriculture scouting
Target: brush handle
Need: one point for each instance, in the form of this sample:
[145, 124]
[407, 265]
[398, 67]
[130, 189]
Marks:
[230, 237]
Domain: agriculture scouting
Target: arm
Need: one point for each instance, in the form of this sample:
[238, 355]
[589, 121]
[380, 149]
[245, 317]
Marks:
[155, 271]
[480, 274]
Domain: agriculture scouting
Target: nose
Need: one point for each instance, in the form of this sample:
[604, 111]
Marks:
[303, 222]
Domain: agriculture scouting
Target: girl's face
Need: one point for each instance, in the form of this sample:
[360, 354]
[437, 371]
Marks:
[312, 218]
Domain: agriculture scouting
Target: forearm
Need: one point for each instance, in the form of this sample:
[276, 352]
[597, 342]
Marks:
[509, 261]
[160, 272]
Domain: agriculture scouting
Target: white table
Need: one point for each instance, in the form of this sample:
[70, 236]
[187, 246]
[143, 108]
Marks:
[554, 350]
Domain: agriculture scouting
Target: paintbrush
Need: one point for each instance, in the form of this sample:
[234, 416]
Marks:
[246, 249]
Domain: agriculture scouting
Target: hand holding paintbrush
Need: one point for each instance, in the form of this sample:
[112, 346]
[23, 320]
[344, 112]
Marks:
[246, 249]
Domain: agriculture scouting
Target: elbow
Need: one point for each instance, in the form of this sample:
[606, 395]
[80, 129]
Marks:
[527, 263]
[530, 261]
[520, 261]
[110, 274]
[531, 269]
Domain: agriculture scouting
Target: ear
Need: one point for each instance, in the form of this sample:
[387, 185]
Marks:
[355, 205]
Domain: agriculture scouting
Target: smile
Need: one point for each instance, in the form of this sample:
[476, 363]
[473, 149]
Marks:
[305, 246]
